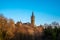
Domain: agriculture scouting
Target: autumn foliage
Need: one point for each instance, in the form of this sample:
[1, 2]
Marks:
[9, 30]
[13, 31]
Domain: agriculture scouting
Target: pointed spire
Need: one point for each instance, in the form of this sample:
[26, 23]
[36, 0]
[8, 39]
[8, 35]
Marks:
[32, 19]
[32, 13]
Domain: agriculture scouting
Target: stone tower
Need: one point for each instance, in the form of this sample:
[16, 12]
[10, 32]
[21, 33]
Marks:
[32, 19]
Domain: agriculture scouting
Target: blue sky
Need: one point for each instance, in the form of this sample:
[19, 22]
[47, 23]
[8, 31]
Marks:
[45, 11]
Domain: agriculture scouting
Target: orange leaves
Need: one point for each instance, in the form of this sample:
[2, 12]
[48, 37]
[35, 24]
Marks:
[11, 28]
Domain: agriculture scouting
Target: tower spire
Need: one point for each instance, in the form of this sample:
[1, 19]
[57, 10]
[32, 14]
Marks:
[32, 19]
[32, 13]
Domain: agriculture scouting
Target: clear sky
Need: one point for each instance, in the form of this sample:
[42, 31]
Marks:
[45, 11]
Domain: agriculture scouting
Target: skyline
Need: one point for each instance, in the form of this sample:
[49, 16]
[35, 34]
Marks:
[45, 11]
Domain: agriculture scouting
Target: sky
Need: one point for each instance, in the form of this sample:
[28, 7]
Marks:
[45, 11]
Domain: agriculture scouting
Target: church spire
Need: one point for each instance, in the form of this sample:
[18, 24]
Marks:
[32, 13]
[32, 19]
